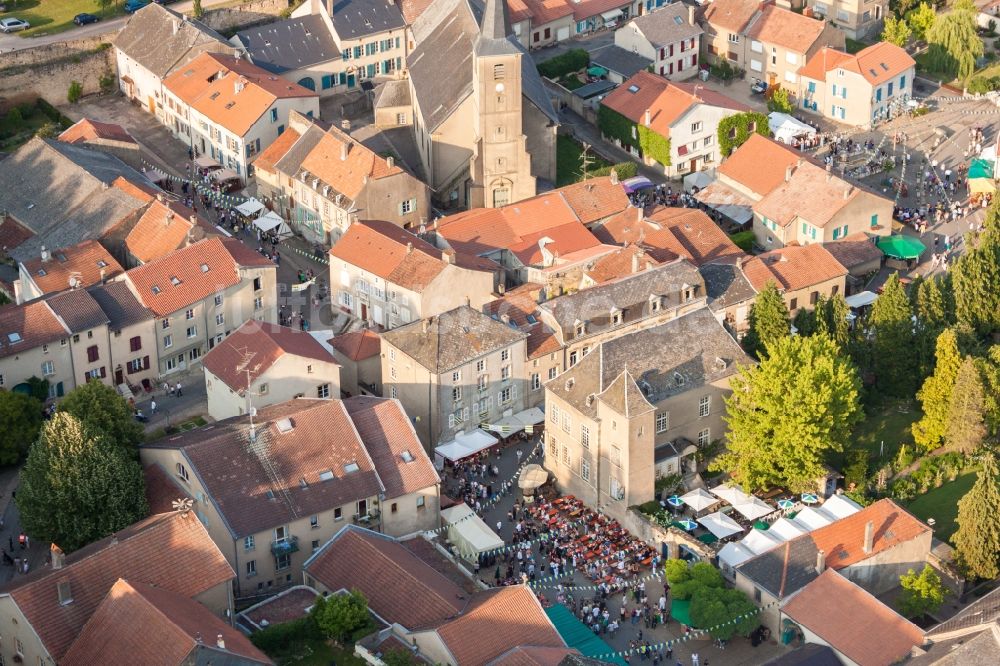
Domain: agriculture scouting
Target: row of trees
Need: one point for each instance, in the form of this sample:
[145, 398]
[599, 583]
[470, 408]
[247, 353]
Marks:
[723, 611]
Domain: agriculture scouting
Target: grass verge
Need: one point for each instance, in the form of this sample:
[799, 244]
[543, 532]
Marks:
[51, 16]
[568, 169]
[941, 504]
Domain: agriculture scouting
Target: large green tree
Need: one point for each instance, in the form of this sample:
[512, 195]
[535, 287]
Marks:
[20, 419]
[725, 612]
[891, 322]
[954, 41]
[896, 31]
[831, 320]
[922, 592]
[966, 411]
[340, 615]
[768, 321]
[974, 279]
[76, 487]
[788, 413]
[934, 307]
[921, 20]
[935, 394]
[104, 411]
[977, 539]
[989, 367]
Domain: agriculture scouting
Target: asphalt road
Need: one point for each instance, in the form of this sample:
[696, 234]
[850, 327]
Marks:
[14, 42]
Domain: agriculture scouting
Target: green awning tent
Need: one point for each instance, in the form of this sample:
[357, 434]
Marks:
[578, 635]
[707, 538]
[597, 70]
[680, 610]
[980, 169]
[899, 246]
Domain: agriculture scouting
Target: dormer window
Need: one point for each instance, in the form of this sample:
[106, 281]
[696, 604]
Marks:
[581, 328]
[174, 280]
[654, 303]
[616, 317]
[678, 379]
[688, 292]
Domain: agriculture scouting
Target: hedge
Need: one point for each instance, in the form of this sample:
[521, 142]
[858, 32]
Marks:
[572, 61]
[53, 113]
[280, 636]
[735, 130]
[623, 169]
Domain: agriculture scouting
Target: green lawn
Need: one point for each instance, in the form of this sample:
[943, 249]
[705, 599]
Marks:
[51, 16]
[889, 424]
[315, 652]
[568, 170]
[926, 70]
[941, 504]
[571, 82]
[853, 45]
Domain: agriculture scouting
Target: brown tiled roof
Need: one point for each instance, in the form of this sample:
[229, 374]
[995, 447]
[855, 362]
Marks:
[162, 489]
[267, 343]
[357, 345]
[84, 261]
[221, 257]
[140, 624]
[274, 152]
[759, 164]
[497, 621]
[171, 551]
[822, 62]
[877, 63]
[236, 99]
[88, 130]
[136, 191]
[532, 656]
[793, 267]
[348, 176]
[400, 588]
[587, 8]
[33, 324]
[400, 459]
[699, 239]
[279, 477]
[827, 195]
[519, 305]
[595, 198]
[854, 250]
[165, 227]
[412, 9]
[544, 11]
[622, 262]
[13, 233]
[390, 252]
[732, 15]
[77, 309]
[853, 622]
[843, 540]
[794, 32]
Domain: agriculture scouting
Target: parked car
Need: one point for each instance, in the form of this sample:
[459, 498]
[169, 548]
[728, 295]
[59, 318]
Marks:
[84, 19]
[132, 6]
[13, 25]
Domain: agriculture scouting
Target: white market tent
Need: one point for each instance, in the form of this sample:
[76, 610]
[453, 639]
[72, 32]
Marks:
[532, 477]
[786, 529]
[785, 127]
[731, 494]
[759, 541]
[840, 506]
[508, 425]
[530, 416]
[699, 499]
[250, 207]
[720, 524]
[463, 446]
[699, 179]
[812, 519]
[733, 554]
[753, 508]
[468, 532]
[271, 221]
[861, 299]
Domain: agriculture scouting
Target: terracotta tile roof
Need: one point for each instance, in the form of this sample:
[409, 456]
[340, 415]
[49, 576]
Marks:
[88, 130]
[587, 8]
[357, 345]
[120, 305]
[631, 227]
[137, 191]
[822, 62]
[260, 485]
[496, 621]
[843, 540]
[170, 283]
[13, 233]
[89, 263]
[881, 62]
[759, 164]
[412, 9]
[621, 262]
[162, 489]
[793, 267]
[274, 152]
[517, 11]
[826, 195]
[137, 623]
[520, 306]
[562, 241]
[170, 551]
[595, 198]
[267, 343]
[384, 249]
[854, 250]
[785, 28]
[32, 324]
[668, 233]
[853, 622]
[229, 91]
[544, 11]
[388, 434]
[532, 656]
[166, 226]
[399, 586]
[348, 173]
[732, 15]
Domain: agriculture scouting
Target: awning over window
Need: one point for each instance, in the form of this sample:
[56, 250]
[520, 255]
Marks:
[612, 15]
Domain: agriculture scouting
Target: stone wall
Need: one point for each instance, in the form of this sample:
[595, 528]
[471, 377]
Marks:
[253, 12]
[46, 71]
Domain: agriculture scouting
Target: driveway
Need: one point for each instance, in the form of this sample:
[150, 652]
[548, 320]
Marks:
[591, 43]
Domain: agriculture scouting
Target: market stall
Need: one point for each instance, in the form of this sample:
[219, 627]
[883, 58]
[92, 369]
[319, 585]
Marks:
[720, 524]
[271, 222]
[467, 531]
[787, 129]
[464, 445]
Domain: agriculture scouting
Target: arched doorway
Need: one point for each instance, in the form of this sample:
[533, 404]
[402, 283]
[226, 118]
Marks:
[307, 82]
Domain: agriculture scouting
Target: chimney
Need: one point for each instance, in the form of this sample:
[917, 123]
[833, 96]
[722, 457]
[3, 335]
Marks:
[501, 288]
[220, 642]
[614, 177]
[193, 219]
[177, 26]
[390, 161]
[159, 197]
[691, 19]
[788, 172]
[820, 561]
[168, 218]
[114, 539]
[505, 318]
[45, 254]
[829, 172]
[102, 276]
[468, 302]
[638, 218]
[58, 557]
[847, 192]
[635, 262]
[409, 248]
[425, 325]
[344, 149]
[646, 118]
[869, 537]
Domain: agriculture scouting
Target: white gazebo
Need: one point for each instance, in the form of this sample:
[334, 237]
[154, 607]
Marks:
[759, 541]
[250, 207]
[733, 554]
[840, 506]
[813, 519]
[753, 508]
[468, 532]
[720, 524]
[699, 499]
[785, 127]
[731, 494]
[786, 529]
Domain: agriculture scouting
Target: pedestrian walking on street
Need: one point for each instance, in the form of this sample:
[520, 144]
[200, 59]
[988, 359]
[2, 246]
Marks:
[178, 394]
[694, 659]
[152, 407]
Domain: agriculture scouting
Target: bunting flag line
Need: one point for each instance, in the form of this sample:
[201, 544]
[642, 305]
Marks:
[540, 583]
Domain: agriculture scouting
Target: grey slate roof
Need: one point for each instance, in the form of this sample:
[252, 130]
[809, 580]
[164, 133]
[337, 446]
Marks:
[58, 191]
[292, 44]
[353, 19]
[496, 36]
[120, 305]
[441, 64]
[662, 361]
[620, 61]
[785, 569]
[667, 25]
[594, 89]
[726, 285]
[78, 309]
[162, 40]
[293, 158]
[453, 338]
[810, 654]
[392, 93]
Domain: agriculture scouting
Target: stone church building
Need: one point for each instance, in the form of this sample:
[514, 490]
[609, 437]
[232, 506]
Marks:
[482, 119]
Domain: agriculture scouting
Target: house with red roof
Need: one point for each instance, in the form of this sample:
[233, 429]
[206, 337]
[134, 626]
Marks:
[357, 354]
[106, 137]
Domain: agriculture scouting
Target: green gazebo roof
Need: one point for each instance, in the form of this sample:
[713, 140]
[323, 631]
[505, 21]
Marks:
[899, 246]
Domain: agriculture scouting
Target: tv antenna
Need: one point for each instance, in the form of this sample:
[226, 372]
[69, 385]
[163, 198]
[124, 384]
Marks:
[586, 159]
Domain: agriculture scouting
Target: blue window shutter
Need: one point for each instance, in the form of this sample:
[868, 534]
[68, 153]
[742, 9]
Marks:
[875, 220]
[812, 86]
[878, 94]
[902, 82]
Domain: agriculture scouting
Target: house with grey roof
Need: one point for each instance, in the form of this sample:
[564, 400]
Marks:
[670, 37]
[730, 294]
[638, 407]
[131, 335]
[155, 42]
[455, 372]
[620, 63]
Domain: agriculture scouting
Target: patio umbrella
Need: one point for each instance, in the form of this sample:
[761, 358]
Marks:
[809, 498]
[674, 500]
[687, 525]
[699, 499]
[636, 183]
[785, 504]
[899, 246]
